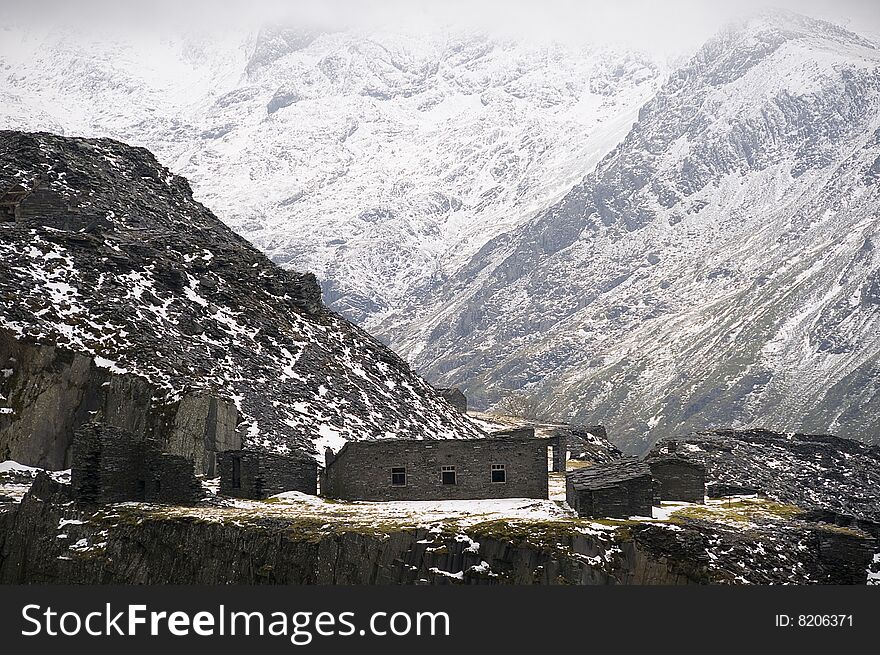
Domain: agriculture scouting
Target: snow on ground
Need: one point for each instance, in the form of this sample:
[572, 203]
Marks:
[413, 512]
[15, 467]
[16, 479]
[557, 487]
[874, 571]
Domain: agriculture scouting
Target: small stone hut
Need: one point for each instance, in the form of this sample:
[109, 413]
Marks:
[110, 465]
[440, 469]
[454, 396]
[254, 474]
[678, 477]
[618, 489]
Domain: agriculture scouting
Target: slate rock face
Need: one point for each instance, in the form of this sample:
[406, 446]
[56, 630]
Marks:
[111, 273]
[46, 538]
[49, 391]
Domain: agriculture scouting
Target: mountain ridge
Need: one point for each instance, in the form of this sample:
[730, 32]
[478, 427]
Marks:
[105, 254]
[672, 218]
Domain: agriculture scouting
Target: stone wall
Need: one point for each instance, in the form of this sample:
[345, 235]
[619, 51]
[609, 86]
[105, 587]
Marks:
[679, 478]
[110, 465]
[559, 445]
[619, 489]
[514, 433]
[362, 470]
[260, 475]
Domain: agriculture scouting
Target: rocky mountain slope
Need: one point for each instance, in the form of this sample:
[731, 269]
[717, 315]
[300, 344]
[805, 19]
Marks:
[818, 472]
[719, 268]
[125, 300]
[380, 161]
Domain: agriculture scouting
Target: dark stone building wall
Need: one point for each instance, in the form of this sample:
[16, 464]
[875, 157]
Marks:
[559, 445]
[619, 489]
[514, 433]
[679, 478]
[110, 465]
[362, 470]
[454, 396]
[252, 474]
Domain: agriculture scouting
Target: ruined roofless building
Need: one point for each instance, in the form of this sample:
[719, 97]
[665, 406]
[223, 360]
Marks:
[110, 465]
[618, 489]
[258, 475]
[441, 469]
[556, 441]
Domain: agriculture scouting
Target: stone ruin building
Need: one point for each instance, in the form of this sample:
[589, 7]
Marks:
[678, 477]
[557, 441]
[590, 443]
[257, 475]
[443, 469]
[110, 465]
[11, 201]
[454, 396]
[619, 489]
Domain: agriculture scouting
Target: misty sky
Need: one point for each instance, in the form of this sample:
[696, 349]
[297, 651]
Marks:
[657, 25]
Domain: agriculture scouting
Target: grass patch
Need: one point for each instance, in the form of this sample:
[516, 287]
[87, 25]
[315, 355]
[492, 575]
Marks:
[739, 511]
[531, 532]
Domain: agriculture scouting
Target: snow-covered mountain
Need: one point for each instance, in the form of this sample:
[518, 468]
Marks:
[379, 161]
[708, 258]
[719, 268]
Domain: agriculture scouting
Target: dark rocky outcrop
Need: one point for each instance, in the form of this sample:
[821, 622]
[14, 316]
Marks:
[822, 473]
[48, 539]
[124, 300]
[50, 391]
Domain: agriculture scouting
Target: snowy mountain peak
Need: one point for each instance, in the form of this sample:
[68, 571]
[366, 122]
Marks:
[698, 277]
[380, 161]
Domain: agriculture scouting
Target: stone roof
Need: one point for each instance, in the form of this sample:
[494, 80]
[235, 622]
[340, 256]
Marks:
[683, 458]
[602, 476]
